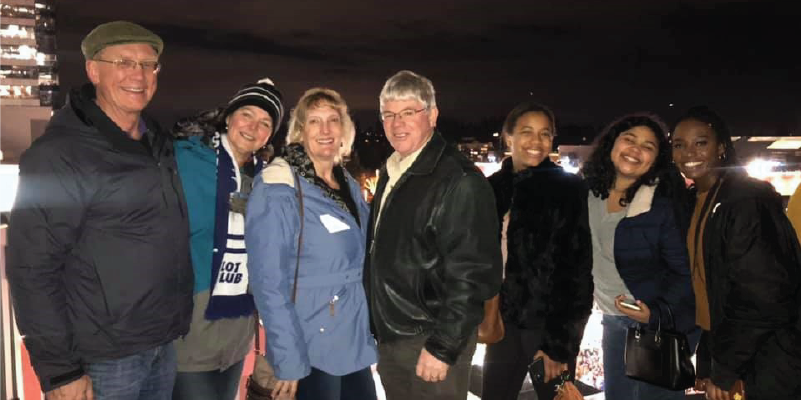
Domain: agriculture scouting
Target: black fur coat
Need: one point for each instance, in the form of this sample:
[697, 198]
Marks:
[548, 282]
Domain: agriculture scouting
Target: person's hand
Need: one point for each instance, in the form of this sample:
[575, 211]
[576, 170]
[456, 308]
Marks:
[552, 368]
[715, 393]
[285, 389]
[80, 389]
[430, 368]
[642, 316]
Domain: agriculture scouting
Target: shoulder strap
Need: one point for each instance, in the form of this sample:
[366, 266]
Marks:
[299, 194]
[258, 335]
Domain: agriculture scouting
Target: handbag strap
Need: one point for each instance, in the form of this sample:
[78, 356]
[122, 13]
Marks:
[258, 335]
[672, 325]
[299, 195]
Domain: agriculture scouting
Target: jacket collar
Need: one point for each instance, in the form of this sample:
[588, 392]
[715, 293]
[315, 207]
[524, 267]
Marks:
[641, 203]
[429, 157]
[82, 101]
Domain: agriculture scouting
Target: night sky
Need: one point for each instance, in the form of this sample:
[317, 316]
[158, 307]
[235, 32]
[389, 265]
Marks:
[591, 61]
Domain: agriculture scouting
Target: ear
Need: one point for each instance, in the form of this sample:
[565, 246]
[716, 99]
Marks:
[93, 72]
[432, 116]
[508, 140]
[721, 151]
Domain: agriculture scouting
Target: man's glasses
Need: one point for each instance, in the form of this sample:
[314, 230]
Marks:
[152, 67]
[388, 116]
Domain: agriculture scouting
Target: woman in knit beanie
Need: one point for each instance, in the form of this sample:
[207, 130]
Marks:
[217, 159]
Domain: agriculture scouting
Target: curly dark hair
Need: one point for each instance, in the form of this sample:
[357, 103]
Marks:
[599, 172]
[722, 134]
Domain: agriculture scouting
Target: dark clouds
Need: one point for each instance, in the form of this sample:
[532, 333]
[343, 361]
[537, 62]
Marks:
[589, 60]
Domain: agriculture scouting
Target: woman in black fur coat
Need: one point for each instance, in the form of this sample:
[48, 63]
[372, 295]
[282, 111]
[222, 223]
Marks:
[546, 296]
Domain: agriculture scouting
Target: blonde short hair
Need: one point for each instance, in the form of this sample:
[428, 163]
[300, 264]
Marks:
[320, 97]
[407, 85]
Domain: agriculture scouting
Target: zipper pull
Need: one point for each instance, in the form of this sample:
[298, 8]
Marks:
[331, 309]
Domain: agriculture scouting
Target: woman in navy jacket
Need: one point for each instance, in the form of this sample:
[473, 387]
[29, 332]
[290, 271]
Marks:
[638, 248]
[319, 340]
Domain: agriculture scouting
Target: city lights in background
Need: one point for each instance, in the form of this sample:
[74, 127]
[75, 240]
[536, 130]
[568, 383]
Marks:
[9, 177]
[790, 143]
[569, 166]
[760, 169]
[17, 32]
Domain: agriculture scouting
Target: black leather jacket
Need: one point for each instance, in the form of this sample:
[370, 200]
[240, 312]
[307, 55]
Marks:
[434, 257]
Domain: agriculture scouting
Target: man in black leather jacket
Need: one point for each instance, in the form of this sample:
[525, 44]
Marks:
[433, 255]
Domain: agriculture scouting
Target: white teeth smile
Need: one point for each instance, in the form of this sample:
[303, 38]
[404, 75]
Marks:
[246, 136]
[134, 90]
[534, 152]
[631, 159]
[400, 135]
[325, 141]
[692, 164]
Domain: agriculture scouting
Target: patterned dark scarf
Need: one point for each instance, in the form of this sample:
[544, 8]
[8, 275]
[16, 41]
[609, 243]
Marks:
[296, 156]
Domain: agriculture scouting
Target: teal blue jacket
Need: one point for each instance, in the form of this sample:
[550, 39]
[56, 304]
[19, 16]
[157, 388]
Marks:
[197, 166]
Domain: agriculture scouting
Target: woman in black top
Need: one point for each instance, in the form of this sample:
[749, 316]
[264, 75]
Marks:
[546, 296]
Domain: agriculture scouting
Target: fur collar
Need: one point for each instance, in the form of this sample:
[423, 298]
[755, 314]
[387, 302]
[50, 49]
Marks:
[642, 201]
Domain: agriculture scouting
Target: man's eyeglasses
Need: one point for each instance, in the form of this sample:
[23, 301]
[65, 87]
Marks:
[152, 67]
[388, 116]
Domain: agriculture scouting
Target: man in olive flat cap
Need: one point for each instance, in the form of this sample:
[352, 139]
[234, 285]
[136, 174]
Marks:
[98, 257]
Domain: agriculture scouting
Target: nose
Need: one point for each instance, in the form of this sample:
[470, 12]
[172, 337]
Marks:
[138, 73]
[397, 121]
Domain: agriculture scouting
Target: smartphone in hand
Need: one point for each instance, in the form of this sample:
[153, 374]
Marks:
[536, 370]
[630, 303]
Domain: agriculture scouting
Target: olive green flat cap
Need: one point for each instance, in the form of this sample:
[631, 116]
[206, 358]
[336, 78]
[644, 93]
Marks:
[118, 32]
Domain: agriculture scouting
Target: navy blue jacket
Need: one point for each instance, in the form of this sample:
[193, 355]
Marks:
[651, 257]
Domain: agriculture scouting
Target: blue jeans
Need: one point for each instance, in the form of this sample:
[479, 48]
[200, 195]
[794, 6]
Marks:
[617, 386]
[319, 385]
[208, 385]
[148, 375]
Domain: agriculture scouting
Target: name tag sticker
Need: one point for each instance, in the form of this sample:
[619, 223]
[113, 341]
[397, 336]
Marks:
[333, 224]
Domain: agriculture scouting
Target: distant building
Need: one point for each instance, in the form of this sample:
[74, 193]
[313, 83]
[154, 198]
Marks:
[28, 73]
[478, 151]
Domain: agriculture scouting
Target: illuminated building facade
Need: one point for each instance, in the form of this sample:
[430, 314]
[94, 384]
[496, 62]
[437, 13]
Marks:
[28, 73]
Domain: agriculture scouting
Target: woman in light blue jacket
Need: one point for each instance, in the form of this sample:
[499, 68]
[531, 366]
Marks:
[318, 340]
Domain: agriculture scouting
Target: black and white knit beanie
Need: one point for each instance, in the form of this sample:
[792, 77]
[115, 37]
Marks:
[262, 94]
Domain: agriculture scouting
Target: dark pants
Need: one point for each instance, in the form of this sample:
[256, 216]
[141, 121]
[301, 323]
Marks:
[208, 385]
[506, 365]
[774, 374]
[148, 375]
[397, 363]
[319, 385]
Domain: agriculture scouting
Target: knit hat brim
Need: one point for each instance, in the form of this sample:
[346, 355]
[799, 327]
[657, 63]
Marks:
[262, 94]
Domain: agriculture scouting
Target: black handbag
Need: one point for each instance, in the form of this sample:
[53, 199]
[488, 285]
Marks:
[660, 357]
